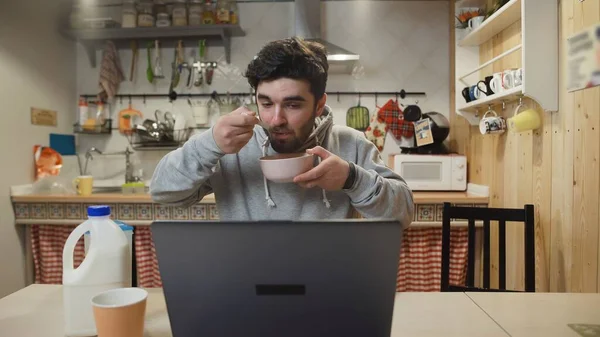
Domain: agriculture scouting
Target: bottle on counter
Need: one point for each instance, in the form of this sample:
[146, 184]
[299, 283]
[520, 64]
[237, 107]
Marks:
[106, 266]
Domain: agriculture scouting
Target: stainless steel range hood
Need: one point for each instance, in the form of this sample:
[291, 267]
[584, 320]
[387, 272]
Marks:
[308, 27]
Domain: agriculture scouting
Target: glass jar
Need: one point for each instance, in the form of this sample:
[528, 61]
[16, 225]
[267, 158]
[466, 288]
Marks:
[222, 11]
[145, 16]
[179, 13]
[208, 13]
[195, 13]
[129, 15]
[234, 18]
[163, 19]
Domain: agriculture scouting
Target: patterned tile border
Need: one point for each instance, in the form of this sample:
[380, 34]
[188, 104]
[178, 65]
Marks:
[151, 212]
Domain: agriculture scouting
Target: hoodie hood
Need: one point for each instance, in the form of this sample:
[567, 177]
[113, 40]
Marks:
[321, 130]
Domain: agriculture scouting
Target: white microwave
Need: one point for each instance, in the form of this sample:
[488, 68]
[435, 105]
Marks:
[424, 172]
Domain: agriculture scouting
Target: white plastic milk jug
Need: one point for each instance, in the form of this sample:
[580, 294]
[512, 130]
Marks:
[107, 265]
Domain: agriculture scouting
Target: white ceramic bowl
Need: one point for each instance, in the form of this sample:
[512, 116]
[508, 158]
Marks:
[282, 168]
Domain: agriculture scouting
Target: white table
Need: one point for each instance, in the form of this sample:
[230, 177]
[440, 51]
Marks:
[539, 314]
[37, 311]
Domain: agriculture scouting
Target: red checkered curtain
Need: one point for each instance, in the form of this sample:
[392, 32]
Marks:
[145, 258]
[47, 242]
[420, 263]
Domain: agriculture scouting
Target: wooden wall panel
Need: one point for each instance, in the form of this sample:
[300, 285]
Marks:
[555, 168]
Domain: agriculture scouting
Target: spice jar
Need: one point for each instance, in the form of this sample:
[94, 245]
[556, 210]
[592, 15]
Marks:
[208, 13]
[162, 16]
[129, 15]
[179, 13]
[222, 11]
[145, 16]
[195, 13]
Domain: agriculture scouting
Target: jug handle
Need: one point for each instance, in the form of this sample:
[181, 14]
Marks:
[71, 242]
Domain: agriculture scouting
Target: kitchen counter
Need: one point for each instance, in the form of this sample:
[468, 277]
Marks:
[49, 219]
[419, 198]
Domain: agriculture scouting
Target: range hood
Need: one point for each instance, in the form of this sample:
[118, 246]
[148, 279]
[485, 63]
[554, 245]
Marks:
[308, 26]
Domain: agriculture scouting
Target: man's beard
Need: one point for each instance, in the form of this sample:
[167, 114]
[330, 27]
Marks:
[293, 143]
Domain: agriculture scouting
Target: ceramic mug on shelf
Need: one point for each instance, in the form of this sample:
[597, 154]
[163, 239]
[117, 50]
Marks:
[475, 22]
[485, 86]
[496, 83]
[466, 93]
[492, 124]
[508, 80]
[517, 74]
[474, 92]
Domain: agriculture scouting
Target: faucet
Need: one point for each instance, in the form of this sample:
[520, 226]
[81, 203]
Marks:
[129, 177]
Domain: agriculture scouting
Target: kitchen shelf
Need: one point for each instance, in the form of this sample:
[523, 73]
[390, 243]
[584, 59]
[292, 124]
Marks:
[504, 17]
[495, 59]
[472, 111]
[539, 57]
[93, 38]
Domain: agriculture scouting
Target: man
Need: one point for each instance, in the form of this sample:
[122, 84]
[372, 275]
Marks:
[289, 77]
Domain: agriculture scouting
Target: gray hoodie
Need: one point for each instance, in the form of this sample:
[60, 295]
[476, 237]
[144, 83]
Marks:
[184, 176]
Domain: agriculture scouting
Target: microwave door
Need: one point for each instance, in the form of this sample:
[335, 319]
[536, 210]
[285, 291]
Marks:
[427, 175]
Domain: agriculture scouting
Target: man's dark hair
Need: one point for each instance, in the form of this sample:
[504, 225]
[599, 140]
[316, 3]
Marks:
[291, 58]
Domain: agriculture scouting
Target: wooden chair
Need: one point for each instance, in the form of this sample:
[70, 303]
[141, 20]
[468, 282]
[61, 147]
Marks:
[502, 215]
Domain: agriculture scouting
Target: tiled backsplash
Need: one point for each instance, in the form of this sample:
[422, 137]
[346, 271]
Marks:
[402, 45]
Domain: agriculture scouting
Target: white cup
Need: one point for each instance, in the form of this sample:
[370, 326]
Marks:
[492, 124]
[496, 83]
[508, 81]
[475, 22]
[517, 75]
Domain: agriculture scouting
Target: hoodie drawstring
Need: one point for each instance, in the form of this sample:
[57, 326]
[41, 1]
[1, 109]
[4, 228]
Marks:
[267, 194]
[325, 201]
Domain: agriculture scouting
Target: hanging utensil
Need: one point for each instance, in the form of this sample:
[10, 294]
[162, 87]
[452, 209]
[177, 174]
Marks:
[149, 71]
[199, 66]
[134, 54]
[158, 72]
[357, 117]
[412, 113]
[126, 117]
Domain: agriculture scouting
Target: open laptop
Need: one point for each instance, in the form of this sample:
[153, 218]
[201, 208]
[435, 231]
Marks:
[279, 278]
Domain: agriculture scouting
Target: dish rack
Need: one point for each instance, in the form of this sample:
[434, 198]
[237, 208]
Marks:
[167, 140]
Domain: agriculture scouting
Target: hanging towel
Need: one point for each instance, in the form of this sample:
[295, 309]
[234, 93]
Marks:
[376, 132]
[391, 114]
[111, 73]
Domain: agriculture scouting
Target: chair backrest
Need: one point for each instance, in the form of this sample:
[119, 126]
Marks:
[502, 215]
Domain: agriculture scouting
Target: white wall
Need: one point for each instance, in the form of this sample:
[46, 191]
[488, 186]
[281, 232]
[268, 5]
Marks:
[36, 70]
[402, 44]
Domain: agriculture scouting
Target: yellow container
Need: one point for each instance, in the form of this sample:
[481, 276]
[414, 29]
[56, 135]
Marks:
[524, 121]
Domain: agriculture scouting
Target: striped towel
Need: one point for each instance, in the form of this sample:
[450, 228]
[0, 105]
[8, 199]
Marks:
[111, 73]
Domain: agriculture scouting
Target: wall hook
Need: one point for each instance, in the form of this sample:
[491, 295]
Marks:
[338, 96]
[129, 99]
[121, 100]
[376, 100]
